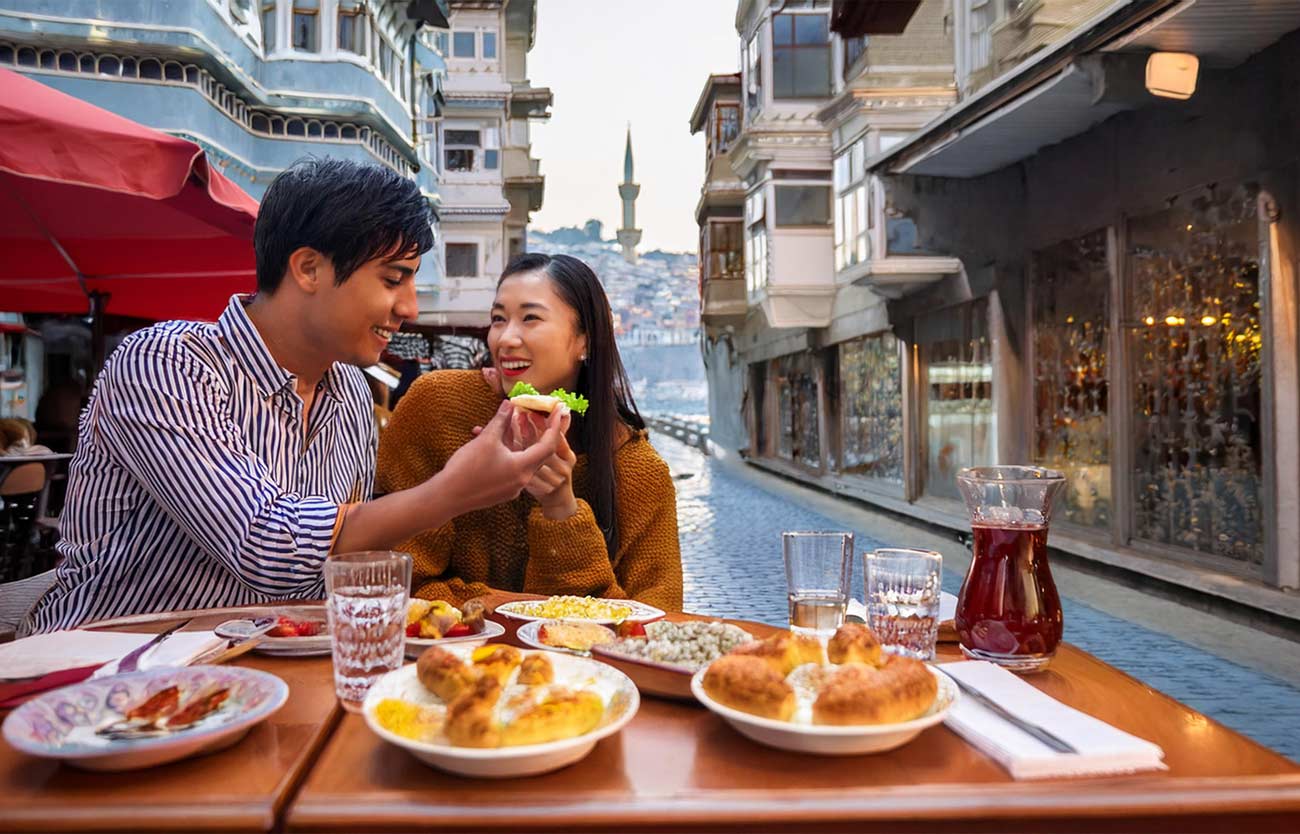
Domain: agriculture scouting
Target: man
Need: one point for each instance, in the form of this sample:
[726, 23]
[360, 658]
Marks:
[219, 464]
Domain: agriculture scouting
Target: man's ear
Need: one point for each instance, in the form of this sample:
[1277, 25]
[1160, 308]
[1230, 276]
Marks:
[307, 269]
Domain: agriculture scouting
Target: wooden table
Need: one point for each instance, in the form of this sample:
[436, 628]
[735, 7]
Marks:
[675, 767]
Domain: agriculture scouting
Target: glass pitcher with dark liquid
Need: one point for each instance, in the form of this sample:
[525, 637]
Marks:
[1008, 611]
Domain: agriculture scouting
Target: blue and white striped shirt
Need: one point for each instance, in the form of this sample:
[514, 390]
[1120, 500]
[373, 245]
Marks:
[192, 486]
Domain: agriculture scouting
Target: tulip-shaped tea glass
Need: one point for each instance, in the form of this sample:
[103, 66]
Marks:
[1008, 611]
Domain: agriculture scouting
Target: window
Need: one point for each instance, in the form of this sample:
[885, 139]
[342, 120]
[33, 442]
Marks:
[440, 43]
[756, 243]
[460, 148]
[1196, 347]
[803, 205]
[852, 207]
[959, 423]
[491, 159]
[268, 27]
[723, 250]
[801, 56]
[853, 49]
[726, 127]
[490, 45]
[753, 65]
[352, 27]
[306, 36]
[462, 45]
[981, 17]
[462, 260]
[1071, 320]
[871, 418]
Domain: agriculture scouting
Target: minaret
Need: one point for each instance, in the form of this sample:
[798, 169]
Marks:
[629, 235]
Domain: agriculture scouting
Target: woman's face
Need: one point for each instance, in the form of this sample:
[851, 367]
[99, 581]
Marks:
[534, 335]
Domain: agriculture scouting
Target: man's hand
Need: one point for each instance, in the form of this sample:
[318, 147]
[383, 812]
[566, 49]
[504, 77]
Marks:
[552, 484]
[486, 471]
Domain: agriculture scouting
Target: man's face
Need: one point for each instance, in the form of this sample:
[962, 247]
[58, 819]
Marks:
[358, 318]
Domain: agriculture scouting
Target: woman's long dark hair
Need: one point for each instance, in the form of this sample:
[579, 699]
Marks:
[601, 379]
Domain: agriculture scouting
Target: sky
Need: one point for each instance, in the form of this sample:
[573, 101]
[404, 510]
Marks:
[610, 62]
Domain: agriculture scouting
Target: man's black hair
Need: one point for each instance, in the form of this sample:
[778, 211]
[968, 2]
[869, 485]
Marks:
[350, 212]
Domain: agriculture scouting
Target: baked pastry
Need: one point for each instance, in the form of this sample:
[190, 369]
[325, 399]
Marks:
[750, 683]
[444, 674]
[783, 651]
[497, 660]
[900, 690]
[564, 714]
[853, 643]
[535, 670]
[471, 718]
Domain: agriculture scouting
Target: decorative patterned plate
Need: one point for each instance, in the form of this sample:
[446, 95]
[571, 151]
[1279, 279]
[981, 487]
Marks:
[530, 635]
[416, 645]
[639, 611]
[619, 694]
[802, 736]
[61, 724]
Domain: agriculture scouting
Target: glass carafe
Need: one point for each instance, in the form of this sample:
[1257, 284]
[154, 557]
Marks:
[1008, 611]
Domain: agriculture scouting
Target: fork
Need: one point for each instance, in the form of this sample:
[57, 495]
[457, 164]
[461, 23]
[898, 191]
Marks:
[131, 660]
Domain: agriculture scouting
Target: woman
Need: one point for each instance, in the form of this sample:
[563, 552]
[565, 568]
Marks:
[600, 517]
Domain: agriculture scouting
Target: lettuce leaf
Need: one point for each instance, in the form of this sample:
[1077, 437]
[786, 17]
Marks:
[576, 402]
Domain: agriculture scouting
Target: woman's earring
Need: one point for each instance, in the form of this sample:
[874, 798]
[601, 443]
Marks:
[583, 359]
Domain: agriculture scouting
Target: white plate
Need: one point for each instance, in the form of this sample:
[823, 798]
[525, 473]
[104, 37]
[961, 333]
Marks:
[619, 694]
[826, 740]
[641, 613]
[314, 646]
[528, 635]
[415, 646]
[61, 724]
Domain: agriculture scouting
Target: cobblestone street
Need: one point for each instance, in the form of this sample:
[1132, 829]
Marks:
[730, 524]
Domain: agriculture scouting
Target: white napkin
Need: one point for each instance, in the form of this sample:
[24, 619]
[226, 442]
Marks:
[947, 607]
[1102, 748]
[42, 654]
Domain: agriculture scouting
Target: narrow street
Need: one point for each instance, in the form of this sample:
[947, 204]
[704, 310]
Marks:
[731, 517]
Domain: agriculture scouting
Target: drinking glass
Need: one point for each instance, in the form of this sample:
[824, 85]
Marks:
[1008, 611]
[817, 570]
[366, 603]
[902, 598]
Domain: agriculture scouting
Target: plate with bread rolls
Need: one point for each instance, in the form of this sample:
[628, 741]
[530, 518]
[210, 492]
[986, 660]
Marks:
[496, 711]
[844, 699]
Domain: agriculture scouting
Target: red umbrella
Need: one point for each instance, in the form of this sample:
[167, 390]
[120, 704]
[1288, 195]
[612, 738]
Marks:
[95, 206]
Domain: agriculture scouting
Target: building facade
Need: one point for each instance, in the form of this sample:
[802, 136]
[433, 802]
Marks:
[490, 183]
[1064, 268]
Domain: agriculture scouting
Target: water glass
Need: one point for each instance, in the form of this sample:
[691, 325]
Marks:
[902, 599]
[366, 603]
[817, 570]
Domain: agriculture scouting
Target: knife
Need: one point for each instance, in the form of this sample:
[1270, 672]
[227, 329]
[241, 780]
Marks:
[131, 660]
[1053, 741]
[235, 647]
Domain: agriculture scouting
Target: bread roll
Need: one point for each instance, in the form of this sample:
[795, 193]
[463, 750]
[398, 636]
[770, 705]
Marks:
[900, 690]
[750, 684]
[853, 643]
[783, 651]
[471, 718]
[563, 715]
[443, 674]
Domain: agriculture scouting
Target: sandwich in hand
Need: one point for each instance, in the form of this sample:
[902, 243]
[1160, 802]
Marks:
[526, 396]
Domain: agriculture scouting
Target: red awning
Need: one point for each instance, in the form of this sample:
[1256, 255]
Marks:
[93, 202]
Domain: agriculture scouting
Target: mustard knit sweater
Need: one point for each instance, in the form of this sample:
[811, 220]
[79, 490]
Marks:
[512, 546]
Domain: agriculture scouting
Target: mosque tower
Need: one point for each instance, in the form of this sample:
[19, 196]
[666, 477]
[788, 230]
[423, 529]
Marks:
[629, 235]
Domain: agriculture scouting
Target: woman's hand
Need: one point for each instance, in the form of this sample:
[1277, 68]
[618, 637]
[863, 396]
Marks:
[552, 484]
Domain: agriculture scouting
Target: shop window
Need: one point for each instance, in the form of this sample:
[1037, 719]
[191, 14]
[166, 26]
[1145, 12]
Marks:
[803, 205]
[801, 56]
[306, 23]
[1071, 304]
[798, 439]
[959, 424]
[871, 408]
[462, 260]
[1195, 344]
